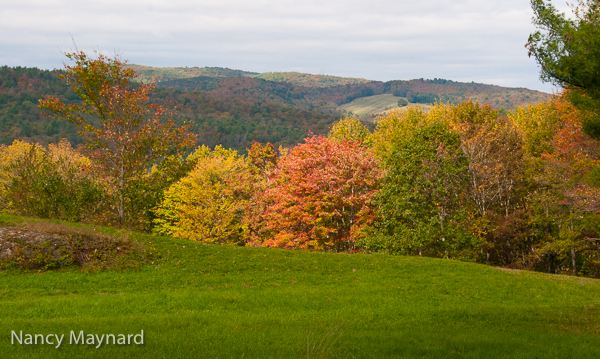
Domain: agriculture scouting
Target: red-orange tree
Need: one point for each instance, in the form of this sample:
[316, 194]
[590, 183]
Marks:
[124, 134]
[320, 196]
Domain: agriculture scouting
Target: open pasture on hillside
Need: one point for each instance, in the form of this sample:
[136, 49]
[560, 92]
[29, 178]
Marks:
[373, 105]
[210, 301]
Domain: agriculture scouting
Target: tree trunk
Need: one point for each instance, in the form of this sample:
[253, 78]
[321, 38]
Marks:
[121, 203]
[573, 258]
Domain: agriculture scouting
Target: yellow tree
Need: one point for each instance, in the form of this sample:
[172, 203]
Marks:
[350, 129]
[206, 205]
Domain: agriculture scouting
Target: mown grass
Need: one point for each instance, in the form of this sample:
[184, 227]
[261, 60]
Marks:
[210, 301]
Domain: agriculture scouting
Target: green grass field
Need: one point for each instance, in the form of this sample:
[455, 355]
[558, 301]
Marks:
[373, 105]
[211, 301]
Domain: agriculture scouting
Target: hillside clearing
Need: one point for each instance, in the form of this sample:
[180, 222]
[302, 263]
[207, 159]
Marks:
[373, 105]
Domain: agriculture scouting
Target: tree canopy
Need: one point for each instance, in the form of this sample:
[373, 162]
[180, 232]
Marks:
[568, 50]
[132, 134]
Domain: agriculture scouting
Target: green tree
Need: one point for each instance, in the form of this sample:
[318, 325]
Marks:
[422, 200]
[124, 134]
[568, 50]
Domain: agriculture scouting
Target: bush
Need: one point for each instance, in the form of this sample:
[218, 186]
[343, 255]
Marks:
[55, 183]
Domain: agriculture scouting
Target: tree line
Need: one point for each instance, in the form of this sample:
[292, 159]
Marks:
[464, 181]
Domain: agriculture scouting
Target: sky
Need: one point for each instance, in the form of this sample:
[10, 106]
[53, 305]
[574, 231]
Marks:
[461, 40]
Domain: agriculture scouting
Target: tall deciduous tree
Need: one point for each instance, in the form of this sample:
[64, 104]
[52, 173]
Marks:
[124, 134]
[422, 202]
[320, 197]
[208, 204]
[569, 52]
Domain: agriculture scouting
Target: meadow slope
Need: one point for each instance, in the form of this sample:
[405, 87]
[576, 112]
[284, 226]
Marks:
[212, 301]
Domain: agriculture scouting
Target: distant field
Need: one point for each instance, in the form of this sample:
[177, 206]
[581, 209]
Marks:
[210, 301]
[373, 105]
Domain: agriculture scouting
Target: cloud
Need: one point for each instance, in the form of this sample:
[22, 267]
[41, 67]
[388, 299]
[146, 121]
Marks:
[463, 40]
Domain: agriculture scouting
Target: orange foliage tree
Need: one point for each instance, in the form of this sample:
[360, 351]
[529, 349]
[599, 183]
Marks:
[320, 196]
[573, 167]
[124, 134]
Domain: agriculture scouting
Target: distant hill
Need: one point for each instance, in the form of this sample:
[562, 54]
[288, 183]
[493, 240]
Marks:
[149, 73]
[225, 111]
[234, 107]
[332, 98]
[159, 74]
[331, 88]
[310, 80]
[430, 91]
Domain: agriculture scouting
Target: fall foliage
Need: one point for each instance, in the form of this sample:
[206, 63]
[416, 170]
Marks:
[132, 134]
[457, 180]
[320, 196]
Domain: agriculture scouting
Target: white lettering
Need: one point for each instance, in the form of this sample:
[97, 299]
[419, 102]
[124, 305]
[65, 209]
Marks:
[107, 338]
[141, 335]
[99, 340]
[129, 339]
[121, 339]
[28, 339]
[59, 340]
[80, 337]
[14, 336]
[48, 340]
[90, 339]
[41, 336]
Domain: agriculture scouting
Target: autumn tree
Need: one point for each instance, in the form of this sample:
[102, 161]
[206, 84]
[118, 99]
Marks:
[350, 129]
[423, 200]
[560, 162]
[321, 196]
[208, 204]
[124, 134]
[568, 50]
[496, 189]
[573, 168]
[262, 161]
[53, 183]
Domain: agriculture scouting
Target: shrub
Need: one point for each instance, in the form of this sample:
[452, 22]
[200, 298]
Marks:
[54, 183]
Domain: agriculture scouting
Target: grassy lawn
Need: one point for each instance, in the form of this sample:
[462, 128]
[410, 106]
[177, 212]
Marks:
[373, 105]
[211, 301]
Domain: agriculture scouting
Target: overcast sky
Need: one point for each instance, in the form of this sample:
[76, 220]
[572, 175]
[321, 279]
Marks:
[461, 40]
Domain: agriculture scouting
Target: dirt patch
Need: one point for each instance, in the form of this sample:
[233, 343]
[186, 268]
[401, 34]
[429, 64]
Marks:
[45, 246]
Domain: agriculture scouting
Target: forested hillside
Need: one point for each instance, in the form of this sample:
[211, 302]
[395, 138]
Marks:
[222, 113]
[149, 73]
[233, 107]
